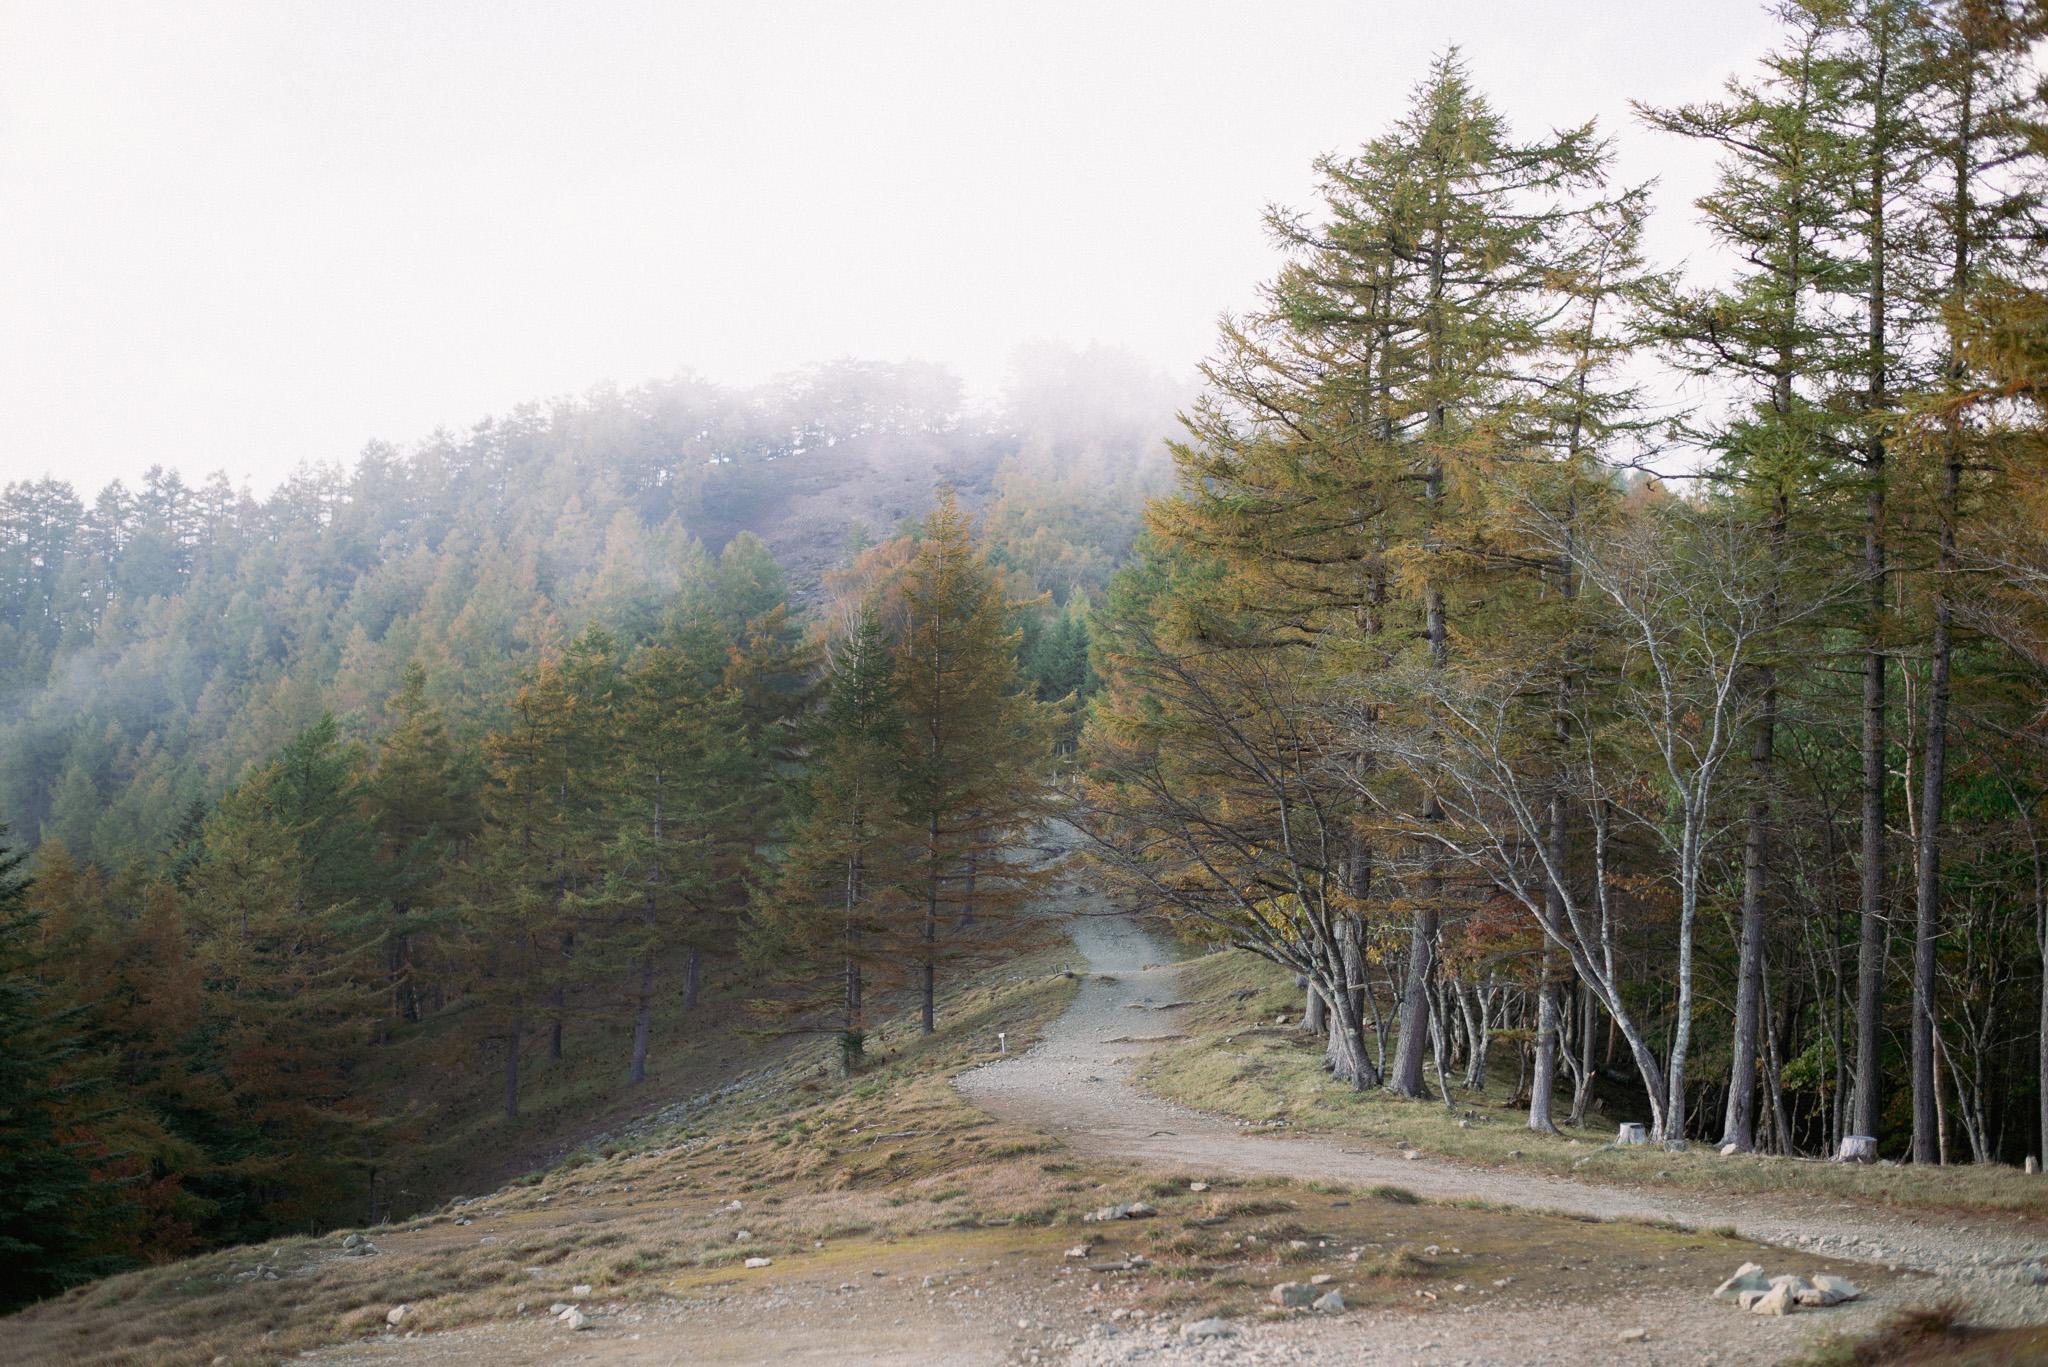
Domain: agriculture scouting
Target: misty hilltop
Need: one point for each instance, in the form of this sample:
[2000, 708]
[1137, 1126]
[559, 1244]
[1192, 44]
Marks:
[156, 641]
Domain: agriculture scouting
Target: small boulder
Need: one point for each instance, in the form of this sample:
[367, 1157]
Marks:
[1331, 1302]
[1748, 1277]
[575, 1318]
[1198, 1186]
[1321, 1279]
[580, 1290]
[1078, 1251]
[1841, 1288]
[1776, 1301]
[760, 1262]
[741, 1236]
[1211, 1328]
[1794, 1285]
[1633, 1336]
[1292, 1295]
[395, 1316]
[352, 1241]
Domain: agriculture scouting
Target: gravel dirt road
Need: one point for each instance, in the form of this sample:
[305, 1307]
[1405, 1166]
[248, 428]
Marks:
[1076, 1085]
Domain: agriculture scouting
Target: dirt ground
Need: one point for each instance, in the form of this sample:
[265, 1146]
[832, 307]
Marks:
[1467, 1275]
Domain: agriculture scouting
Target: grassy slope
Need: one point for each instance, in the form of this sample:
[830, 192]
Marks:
[635, 1216]
[1235, 1065]
[452, 1137]
[891, 1169]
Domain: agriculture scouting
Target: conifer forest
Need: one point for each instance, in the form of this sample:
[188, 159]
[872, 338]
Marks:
[1592, 686]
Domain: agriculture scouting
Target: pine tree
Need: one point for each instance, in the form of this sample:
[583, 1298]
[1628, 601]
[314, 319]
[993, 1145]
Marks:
[513, 913]
[49, 1197]
[422, 798]
[975, 748]
[817, 933]
[1779, 196]
[678, 773]
[1438, 325]
[278, 911]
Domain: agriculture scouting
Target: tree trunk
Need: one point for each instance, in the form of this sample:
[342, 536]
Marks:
[1582, 1094]
[1314, 1016]
[1414, 1020]
[1738, 1122]
[1927, 1127]
[1344, 1051]
[643, 1020]
[1870, 953]
[693, 974]
[512, 1037]
[928, 975]
[1543, 1085]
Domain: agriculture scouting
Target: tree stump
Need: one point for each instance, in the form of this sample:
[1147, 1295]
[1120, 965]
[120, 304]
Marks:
[1631, 1134]
[1858, 1148]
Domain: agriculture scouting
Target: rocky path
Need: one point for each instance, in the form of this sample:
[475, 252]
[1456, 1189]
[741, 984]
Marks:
[1076, 1085]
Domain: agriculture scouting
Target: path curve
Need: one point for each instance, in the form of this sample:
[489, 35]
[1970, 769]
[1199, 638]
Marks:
[1075, 1085]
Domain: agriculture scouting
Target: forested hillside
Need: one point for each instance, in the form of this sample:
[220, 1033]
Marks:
[1620, 677]
[347, 798]
[157, 641]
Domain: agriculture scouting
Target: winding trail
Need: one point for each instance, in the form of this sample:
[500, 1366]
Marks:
[1075, 1085]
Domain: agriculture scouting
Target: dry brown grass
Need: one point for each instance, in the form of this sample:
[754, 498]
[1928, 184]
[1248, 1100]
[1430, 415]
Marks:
[815, 1160]
[891, 1169]
[1922, 1336]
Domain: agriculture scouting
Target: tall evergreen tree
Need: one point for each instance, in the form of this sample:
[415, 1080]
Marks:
[976, 749]
[48, 1191]
[818, 931]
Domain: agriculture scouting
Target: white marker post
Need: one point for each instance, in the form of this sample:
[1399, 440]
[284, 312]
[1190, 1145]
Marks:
[1002, 1041]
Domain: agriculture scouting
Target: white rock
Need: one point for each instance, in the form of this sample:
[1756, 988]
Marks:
[1078, 1251]
[1198, 1186]
[1208, 1329]
[741, 1236]
[1291, 1295]
[395, 1316]
[1840, 1287]
[580, 1290]
[1321, 1279]
[575, 1319]
[1330, 1302]
[1776, 1301]
[1633, 1336]
[1748, 1277]
[1792, 1282]
[760, 1262]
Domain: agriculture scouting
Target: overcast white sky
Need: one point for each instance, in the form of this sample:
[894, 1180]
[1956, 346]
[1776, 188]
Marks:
[242, 236]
